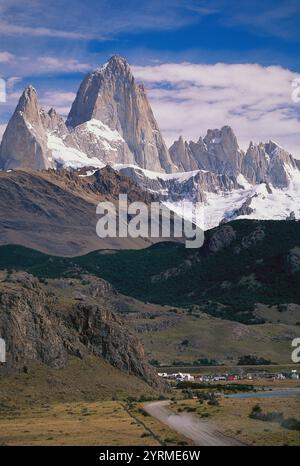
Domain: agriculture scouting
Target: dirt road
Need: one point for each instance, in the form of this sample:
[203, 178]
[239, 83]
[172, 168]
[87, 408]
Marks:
[200, 432]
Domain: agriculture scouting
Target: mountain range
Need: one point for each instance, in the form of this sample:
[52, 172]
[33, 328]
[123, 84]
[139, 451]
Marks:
[55, 294]
[111, 123]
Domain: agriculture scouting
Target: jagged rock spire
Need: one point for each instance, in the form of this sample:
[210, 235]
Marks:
[24, 142]
[111, 96]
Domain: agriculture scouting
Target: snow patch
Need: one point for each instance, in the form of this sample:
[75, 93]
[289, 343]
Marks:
[100, 130]
[88, 173]
[152, 175]
[69, 156]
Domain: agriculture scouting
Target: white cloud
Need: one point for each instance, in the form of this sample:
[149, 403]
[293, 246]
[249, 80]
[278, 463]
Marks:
[10, 29]
[255, 100]
[58, 64]
[27, 65]
[6, 57]
[58, 99]
[98, 19]
[11, 82]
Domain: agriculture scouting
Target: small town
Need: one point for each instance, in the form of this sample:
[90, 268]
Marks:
[230, 377]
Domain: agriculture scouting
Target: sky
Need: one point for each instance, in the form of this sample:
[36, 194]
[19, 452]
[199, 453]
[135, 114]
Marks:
[205, 64]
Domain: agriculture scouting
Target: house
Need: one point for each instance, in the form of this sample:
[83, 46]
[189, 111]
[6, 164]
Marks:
[181, 377]
[230, 378]
[189, 377]
[294, 374]
[218, 378]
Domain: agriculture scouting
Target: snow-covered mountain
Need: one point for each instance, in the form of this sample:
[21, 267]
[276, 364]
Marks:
[111, 122]
[219, 152]
[222, 197]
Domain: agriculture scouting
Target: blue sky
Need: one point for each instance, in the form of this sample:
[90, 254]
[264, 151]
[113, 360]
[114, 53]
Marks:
[52, 45]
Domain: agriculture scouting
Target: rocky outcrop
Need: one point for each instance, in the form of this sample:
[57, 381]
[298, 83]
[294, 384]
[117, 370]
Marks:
[192, 186]
[293, 260]
[110, 121]
[268, 163]
[182, 156]
[257, 235]
[281, 165]
[110, 95]
[221, 239]
[99, 141]
[244, 210]
[217, 152]
[291, 217]
[24, 142]
[38, 327]
[255, 164]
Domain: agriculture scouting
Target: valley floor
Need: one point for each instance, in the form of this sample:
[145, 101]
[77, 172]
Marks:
[132, 421]
[101, 423]
[230, 418]
[200, 432]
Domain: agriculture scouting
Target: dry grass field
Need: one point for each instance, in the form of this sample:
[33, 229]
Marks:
[102, 423]
[231, 418]
[86, 403]
[81, 423]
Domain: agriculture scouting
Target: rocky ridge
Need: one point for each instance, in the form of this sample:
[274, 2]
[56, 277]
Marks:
[38, 325]
[111, 123]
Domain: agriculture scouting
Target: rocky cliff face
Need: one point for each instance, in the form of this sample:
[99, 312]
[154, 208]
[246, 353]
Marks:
[38, 325]
[110, 95]
[268, 163]
[182, 156]
[24, 143]
[218, 152]
[110, 121]
[192, 187]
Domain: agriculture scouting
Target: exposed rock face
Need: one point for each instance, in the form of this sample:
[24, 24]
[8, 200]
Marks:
[293, 260]
[192, 186]
[110, 121]
[268, 163]
[99, 141]
[37, 326]
[257, 235]
[281, 165]
[24, 143]
[245, 208]
[221, 239]
[182, 156]
[255, 164]
[291, 216]
[217, 152]
[110, 95]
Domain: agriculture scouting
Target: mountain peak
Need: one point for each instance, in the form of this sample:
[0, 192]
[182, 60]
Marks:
[111, 96]
[28, 100]
[117, 60]
[24, 142]
[218, 135]
[116, 65]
